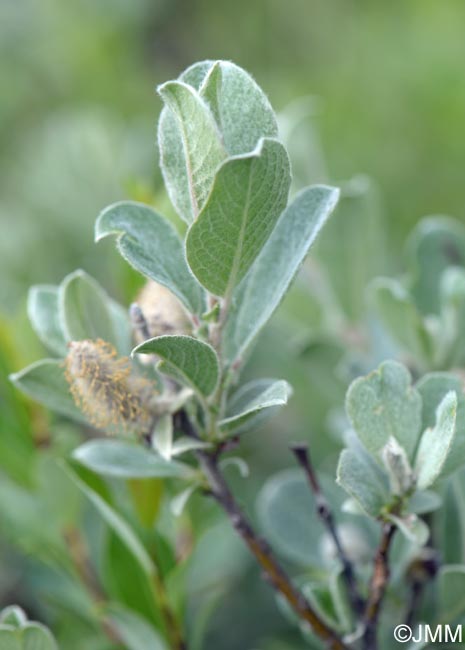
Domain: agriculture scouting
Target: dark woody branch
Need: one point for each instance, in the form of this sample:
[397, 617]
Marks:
[324, 512]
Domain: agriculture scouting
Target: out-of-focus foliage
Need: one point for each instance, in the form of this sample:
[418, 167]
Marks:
[382, 93]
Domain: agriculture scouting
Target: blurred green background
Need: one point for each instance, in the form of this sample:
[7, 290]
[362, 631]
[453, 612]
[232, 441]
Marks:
[78, 114]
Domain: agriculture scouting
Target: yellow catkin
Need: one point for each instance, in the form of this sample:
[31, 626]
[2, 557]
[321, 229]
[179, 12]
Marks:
[105, 388]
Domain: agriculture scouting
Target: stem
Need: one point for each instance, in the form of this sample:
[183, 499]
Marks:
[378, 585]
[324, 512]
[171, 624]
[263, 553]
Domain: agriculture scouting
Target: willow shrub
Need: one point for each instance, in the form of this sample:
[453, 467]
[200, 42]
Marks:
[164, 379]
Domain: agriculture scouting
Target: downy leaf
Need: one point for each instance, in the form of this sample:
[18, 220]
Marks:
[186, 359]
[42, 309]
[241, 109]
[433, 388]
[251, 400]
[190, 147]
[150, 244]
[412, 528]
[383, 405]
[125, 460]
[435, 244]
[360, 477]
[435, 443]
[352, 246]
[247, 198]
[401, 318]
[45, 382]
[85, 309]
[135, 632]
[261, 291]
[451, 596]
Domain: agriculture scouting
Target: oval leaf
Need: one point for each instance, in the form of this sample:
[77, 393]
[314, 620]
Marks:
[190, 147]
[150, 244]
[257, 297]
[124, 460]
[248, 195]
[188, 360]
[45, 382]
[42, 309]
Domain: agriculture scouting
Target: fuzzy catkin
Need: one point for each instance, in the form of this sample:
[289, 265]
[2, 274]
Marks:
[162, 311]
[106, 389]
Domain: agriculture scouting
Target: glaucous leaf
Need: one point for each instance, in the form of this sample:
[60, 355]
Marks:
[433, 388]
[31, 636]
[261, 291]
[42, 309]
[287, 514]
[241, 109]
[452, 316]
[85, 310]
[190, 147]
[188, 360]
[412, 528]
[363, 480]
[13, 615]
[383, 405]
[401, 318]
[134, 631]
[247, 198]
[45, 382]
[251, 400]
[352, 246]
[435, 244]
[125, 460]
[162, 437]
[150, 244]
[435, 443]
[451, 587]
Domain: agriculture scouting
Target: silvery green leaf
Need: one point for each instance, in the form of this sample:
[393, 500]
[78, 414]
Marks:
[190, 147]
[250, 400]
[414, 529]
[45, 382]
[402, 319]
[162, 437]
[179, 502]
[239, 463]
[435, 244]
[452, 317]
[150, 244]
[451, 588]
[184, 444]
[122, 326]
[261, 291]
[433, 387]
[363, 480]
[383, 405]
[14, 616]
[352, 246]
[397, 466]
[247, 198]
[42, 308]
[126, 460]
[435, 443]
[134, 631]
[241, 109]
[287, 515]
[188, 360]
[424, 502]
[85, 311]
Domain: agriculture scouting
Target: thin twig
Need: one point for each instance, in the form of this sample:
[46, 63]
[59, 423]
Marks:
[263, 553]
[378, 585]
[324, 512]
[422, 570]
